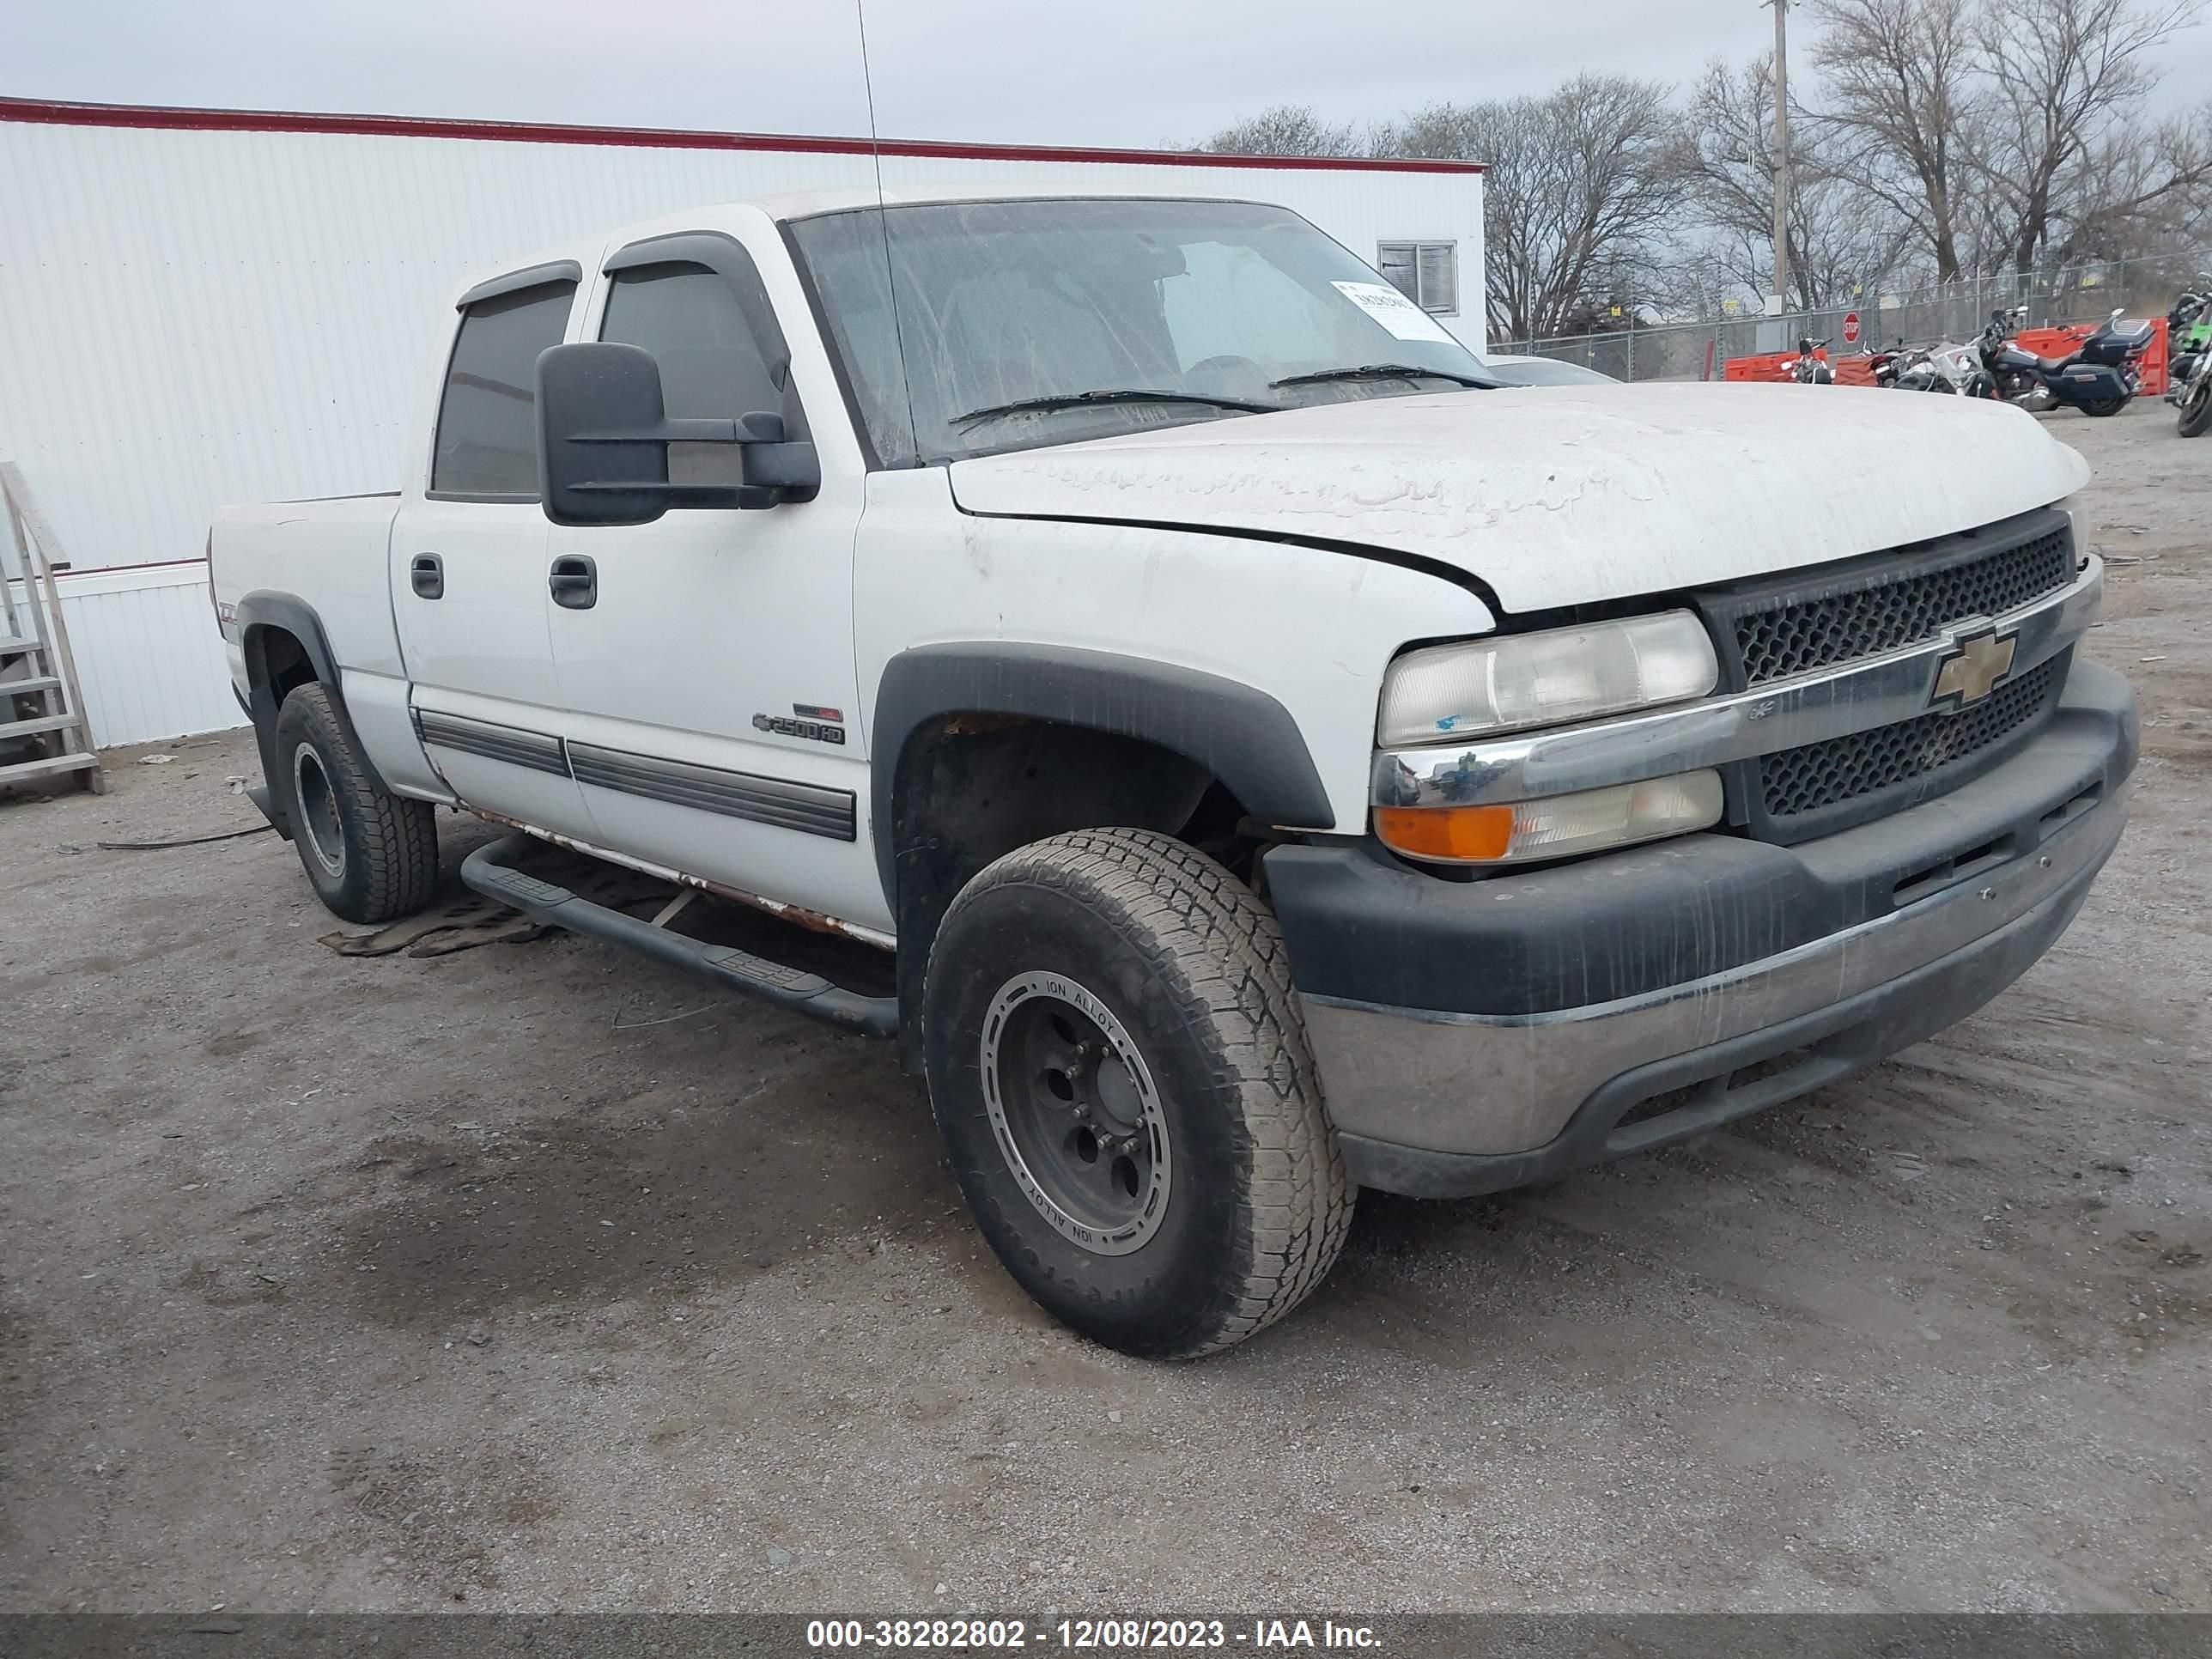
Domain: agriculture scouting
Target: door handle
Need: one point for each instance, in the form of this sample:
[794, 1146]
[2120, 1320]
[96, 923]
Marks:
[426, 573]
[575, 582]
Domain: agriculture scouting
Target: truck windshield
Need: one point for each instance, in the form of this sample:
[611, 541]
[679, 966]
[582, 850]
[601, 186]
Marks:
[1027, 322]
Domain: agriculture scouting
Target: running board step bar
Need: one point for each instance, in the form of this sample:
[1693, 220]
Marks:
[486, 870]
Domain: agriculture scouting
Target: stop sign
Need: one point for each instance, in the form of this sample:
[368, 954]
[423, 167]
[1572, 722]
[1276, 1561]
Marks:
[1851, 328]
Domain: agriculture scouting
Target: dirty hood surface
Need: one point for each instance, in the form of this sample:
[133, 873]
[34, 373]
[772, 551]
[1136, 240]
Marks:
[1558, 496]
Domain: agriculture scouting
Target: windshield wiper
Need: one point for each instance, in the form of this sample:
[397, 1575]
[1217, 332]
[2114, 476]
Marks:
[1131, 395]
[1382, 372]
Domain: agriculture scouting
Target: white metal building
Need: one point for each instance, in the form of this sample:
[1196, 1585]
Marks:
[207, 306]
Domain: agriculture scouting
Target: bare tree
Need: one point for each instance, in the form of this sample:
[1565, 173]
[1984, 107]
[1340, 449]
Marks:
[1901, 108]
[1580, 184]
[1843, 238]
[2145, 190]
[1938, 138]
[2065, 79]
[1286, 129]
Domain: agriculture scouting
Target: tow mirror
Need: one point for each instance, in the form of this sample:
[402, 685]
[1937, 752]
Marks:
[603, 438]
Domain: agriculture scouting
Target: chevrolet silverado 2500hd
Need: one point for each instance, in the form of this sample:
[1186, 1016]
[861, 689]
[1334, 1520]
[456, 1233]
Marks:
[1278, 759]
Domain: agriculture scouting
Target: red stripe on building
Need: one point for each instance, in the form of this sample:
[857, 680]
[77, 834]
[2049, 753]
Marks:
[160, 117]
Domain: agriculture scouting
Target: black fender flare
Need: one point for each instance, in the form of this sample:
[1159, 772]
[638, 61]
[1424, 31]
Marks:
[1237, 732]
[289, 613]
[264, 607]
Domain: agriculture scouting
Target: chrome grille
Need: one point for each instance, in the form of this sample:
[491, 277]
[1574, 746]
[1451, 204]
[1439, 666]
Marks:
[1819, 775]
[1818, 632]
[1837, 617]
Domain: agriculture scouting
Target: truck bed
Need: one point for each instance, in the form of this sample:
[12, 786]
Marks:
[334, 553]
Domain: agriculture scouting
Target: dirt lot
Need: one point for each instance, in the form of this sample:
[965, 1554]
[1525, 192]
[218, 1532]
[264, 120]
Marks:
[538, 1277]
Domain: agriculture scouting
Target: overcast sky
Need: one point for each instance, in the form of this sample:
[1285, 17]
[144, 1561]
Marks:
[1132, 72]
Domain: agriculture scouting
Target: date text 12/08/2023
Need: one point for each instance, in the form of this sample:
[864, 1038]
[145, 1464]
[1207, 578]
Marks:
[1103, 1635]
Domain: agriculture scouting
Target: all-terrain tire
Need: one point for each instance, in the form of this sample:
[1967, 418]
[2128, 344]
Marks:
[371, 856]
[1191, 966]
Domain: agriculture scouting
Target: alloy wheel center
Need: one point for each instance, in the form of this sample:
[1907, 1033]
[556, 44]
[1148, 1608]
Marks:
[1116, 1098]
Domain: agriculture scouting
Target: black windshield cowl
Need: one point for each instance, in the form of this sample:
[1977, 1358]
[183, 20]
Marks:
[1110, 395]
[1383, 372]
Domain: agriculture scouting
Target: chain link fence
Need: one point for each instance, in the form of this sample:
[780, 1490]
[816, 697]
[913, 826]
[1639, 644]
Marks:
[1949, 311]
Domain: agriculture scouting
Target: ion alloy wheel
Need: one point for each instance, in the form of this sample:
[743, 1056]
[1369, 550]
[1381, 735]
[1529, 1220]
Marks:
[1077, 1114]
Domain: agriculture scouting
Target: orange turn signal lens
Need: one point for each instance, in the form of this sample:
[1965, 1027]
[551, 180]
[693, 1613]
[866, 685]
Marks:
[1555, 826]
[1446, 832]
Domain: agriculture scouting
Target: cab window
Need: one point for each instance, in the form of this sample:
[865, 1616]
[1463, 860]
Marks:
[711, 365]
[487, 441]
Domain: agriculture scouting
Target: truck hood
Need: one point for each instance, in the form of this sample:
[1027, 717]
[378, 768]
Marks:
[1555, 497]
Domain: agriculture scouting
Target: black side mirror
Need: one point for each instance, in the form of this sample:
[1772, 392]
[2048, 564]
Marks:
[603, 438]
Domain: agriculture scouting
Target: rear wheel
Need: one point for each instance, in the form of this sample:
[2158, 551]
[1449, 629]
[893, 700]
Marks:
[2196, 409]
[1121, 1078]
[2103, 406]
[370, 855]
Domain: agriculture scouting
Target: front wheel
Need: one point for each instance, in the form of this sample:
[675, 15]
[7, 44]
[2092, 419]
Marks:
[1121, 1075]
[370, 855]
[2196, 409]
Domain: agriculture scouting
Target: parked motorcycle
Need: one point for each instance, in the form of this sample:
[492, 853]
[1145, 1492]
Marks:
[2196, 398]
[2086, 378]
[2188, 336]
[2120, 343]
[1960, 363]
[1910, 368]
[1810, 368]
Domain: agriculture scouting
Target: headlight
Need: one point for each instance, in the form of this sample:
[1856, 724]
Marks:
[1520, 680]
[1556, 826]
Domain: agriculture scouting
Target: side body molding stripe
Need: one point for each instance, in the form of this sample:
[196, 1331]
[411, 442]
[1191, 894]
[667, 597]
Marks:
[806, 807]
[809, 809]
[539, 750]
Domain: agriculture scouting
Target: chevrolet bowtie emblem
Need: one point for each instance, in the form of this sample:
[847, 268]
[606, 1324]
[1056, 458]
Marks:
[1972, 670]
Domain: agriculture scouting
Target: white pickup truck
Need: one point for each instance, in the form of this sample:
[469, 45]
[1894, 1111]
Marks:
[1275, 758]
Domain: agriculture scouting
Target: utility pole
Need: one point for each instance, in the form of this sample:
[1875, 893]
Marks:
[1778, 301]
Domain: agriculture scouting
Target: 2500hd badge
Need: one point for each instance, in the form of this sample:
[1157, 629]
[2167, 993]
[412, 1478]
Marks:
[807, 719]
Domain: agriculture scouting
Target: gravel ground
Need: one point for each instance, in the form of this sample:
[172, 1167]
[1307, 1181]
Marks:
[407, 1284]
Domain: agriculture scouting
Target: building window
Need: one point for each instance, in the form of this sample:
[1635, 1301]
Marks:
[1427, 273]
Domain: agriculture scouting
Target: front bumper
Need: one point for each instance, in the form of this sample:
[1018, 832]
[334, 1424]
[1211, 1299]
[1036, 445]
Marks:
[1479, 1036]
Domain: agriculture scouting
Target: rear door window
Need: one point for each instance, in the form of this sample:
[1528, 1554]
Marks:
[487, 442]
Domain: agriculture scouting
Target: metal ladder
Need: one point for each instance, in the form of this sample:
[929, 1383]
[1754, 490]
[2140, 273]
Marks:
[39, 691]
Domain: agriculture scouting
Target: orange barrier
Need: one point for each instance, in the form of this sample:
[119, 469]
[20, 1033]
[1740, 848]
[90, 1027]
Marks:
[1773, 366]
[2044, 342]
[1776, 366]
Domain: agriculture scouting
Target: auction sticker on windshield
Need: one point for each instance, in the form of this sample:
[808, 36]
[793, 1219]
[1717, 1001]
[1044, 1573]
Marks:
[1405, 319]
